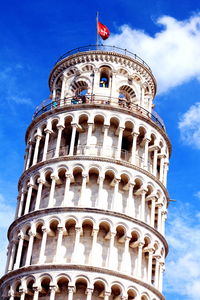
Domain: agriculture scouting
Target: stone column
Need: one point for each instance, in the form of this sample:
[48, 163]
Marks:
[119, 144]
[159, 221]
[39, 193]
[36, 293]
[166, 166]
[133, 151]
[77, 240]
[60, 129]
[93, 248]
[107, 295]
[153, 206]
[46, 143]
[71, 150]
[111, 246]
[53, 292]
[70, 292]
[12, 255]
[149, 269]
[139, 259]
[30, 248]
[157, 272]
[100, 181]
[29, 154]
[37, 144]
[28, 199]
[89, 294]
[19, 250]
[12, 295]
[116, 190]
[83, 188]
[54, 178]
[146, 153]
[155, 160]
[162, 269]
[163, 218]
[130, 199]
[58, 257]
[67, 186]
[21, 202]
[106, 127]
[43, 246]
[162, 160]
[142, 211]
[89, 134]
[126, 257]
[22, 296]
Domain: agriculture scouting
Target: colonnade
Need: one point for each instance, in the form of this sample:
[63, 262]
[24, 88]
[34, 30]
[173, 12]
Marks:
[149, 258]
[132, 198]
[152, 159]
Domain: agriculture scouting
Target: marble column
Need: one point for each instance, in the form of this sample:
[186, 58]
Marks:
[155, 161]
[41, 182]
[43, 245]
[54, 179]
[46, 143]
[19, 251]
[30, 248]
[70, 292]
[29, 155]
[116, 190]
[111, 246]
[59, 136]
[100, 181]
[149, 268]
[139, 259]
[133, 151]
[28, 199]
[76, 244]
[37, 144]
[119, 143]
[71, 150]
[93, 248]
[105, 135]
[58, 257]
[146, 153]
[130, 208]
[66, 192]
[83, 188]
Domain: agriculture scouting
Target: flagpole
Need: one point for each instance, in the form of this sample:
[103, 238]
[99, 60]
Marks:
[97, 20]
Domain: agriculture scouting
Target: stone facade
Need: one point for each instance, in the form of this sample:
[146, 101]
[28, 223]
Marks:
[92, 204]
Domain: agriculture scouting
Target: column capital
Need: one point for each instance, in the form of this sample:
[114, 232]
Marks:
[68, 175]
[107, 294]
[48, 130]
[140, 244]
[71, 289]
[54, 177]
[95, 231]
[53, 288]
[60, 126]
[41, 180]
[89, 291]
[21, 236]
[134, 133]
[38, 137]
[159, 205]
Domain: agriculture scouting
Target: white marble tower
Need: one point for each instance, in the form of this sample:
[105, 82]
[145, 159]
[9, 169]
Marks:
[92, 198]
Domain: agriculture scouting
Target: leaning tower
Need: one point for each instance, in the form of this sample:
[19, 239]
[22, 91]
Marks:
[92, 200]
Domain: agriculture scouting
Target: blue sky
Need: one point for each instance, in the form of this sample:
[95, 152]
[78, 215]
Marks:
[166, 34]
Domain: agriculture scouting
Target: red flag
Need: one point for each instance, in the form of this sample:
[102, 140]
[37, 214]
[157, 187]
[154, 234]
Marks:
[103, 31]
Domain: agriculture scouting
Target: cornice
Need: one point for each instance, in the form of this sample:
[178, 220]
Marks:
[98, 106]
[107, 56]
[24, 271]
[46, 211]
[36, 167]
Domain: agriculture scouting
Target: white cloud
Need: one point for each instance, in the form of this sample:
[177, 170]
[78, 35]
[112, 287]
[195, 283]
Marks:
[183, 267]
[6, 217]
[173, 53]
[189, 126]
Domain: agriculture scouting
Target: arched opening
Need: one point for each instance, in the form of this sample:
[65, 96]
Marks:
[115, 292]
[140, 147]
[60, 187]
[98, 291]
[30, 292]
[25, 245]
[52, 140]
[103, 241]
[85, 245]
[105, 76]
[37, 244]
[92, 187]
[127, 141]
[51, 243]
[119, 247]
[66, 137]
[45, 290]
[126, 96]
[81, 135]
[122, 198]
[112, 138]
[81, 287]
[133, 244]
[108, 190]
[46, 190]
[137, 197]
[75, 186]
[131, 294]
[62, 290]
[69, 240]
